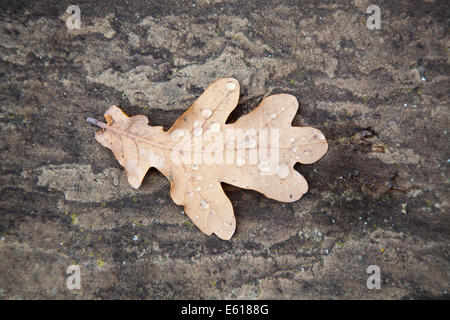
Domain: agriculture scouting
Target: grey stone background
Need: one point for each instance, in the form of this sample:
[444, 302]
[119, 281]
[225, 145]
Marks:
[378, 197]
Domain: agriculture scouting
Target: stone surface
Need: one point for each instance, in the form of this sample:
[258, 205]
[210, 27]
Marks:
[378, 197]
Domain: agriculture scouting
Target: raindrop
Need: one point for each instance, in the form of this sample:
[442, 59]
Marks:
[320, 136]
[264, 166]
[189, 194]
[231, 86]
[212, 212]
[198, 131]
[306, 152]
[294, 149]
[204, 204]
[292, 139]
[273, 115]
[240, 162]
[282, 171]
[200, 177]
[215, 127]
[198, 188]
[194, 166]
[177, 134]
[206, 113]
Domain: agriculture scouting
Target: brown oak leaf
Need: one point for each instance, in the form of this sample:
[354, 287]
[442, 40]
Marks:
[201, 151]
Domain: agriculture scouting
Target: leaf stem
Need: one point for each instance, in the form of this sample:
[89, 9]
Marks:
[95, 122]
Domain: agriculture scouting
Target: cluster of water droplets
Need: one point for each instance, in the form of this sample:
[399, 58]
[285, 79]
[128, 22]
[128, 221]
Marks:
[282, 170]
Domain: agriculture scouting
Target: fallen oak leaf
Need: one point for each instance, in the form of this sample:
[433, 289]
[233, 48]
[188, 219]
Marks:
[240, 152]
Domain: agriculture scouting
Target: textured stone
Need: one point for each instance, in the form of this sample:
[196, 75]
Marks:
[64, 199]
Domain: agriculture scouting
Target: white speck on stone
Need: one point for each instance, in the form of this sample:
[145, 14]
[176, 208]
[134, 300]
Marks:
[404, 208]
[135, 238]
